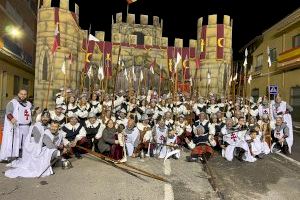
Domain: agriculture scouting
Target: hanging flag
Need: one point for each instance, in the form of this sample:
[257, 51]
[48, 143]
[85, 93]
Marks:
[90, 72]
[249, 79]
[191, 81]
[63, 67]
[152, 66]
[130, 1]
[245, 61]
[133, 74]
[93, 38]
[203, 42]
[100, 73]
[246, 52]
[208, 78]
[178, 58]
[108, 59]
[125, 74]
[185, 66]
[141, 76]
[220, 41]
[197, 63]
[56, 42]
[269, 58]
[230, 80]
[171, 55]
[235, 77]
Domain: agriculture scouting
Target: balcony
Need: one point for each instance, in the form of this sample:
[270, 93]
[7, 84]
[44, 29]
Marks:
[289, 55]
[17, 51]
[289, 58]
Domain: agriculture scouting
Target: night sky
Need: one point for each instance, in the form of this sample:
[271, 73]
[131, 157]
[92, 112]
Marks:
[250, 17]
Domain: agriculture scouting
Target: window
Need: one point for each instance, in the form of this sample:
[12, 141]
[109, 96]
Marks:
[45, 68]
[295, 103]
[259, 62]
[255, 94]
[140, 38]
[296, 41]
[273, 55]
[16, 84]
[26, 84]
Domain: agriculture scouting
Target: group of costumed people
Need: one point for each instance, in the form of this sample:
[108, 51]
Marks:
[126, 125]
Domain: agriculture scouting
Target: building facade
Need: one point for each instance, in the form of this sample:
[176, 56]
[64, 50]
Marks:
[17, 54]
[140, 45]
[283, 40]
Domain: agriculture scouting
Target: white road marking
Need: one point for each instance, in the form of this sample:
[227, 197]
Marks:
[288, 158]
[169, 194]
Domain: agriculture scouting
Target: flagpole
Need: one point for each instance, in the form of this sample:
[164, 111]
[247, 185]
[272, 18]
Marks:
[116, 78]
[159, 85]
[50, 78]
[245, 85]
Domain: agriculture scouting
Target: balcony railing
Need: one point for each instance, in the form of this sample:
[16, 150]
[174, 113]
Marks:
[19, 52]
[289, 55]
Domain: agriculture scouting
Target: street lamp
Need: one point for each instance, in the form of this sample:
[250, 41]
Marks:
[11, 31]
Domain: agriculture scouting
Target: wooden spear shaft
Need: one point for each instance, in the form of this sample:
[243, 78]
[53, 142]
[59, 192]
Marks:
[116, 78]
[50, 80]
[117, 163]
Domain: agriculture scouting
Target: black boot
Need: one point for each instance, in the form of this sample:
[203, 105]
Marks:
[240, 154]
[285, 149]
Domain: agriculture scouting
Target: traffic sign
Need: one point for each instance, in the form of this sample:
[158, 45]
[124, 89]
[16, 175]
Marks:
[273, 89]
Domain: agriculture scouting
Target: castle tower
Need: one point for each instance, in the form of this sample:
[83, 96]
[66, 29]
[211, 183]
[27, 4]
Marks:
[50, 66]
[215, 49]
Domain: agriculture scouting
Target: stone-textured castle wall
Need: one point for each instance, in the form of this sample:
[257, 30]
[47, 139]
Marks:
[141, 45]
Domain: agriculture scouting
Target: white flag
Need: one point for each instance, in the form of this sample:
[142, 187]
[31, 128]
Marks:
[141, 76]
[235, 77]
[63, 67]
[208, 78]
[245, 62]
[230, 80]
[100, 73]
[178, 58]
[133, 74]
[249, 79]
[90, 72]
[191, 81]
[93, 38]
[246, 52]
[125, 74]
[269, 58]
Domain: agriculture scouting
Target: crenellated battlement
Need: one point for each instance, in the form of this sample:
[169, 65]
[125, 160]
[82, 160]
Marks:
[142, 44]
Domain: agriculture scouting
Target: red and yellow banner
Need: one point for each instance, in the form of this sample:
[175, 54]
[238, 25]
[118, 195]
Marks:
[203, 42]
[220, 41]
[171, 55]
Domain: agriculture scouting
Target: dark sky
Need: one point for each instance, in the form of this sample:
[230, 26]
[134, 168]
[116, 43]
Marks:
[250, 17]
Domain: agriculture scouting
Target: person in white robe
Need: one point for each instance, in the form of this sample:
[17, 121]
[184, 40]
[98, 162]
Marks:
[258, 147]
[41, 151]
[132, 136]
[282, 108]
[17, 122]
[234, 143]
[280, 137]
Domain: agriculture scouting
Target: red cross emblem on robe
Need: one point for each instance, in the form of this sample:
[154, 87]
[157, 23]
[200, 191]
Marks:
[233, 136]
[26, 114]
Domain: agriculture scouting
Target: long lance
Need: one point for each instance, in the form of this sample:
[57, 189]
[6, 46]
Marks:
[50, 80]
[116, 78]
[118, 164]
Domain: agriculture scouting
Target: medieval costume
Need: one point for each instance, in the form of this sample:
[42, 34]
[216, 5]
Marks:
[14, 133]
[39, 152]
